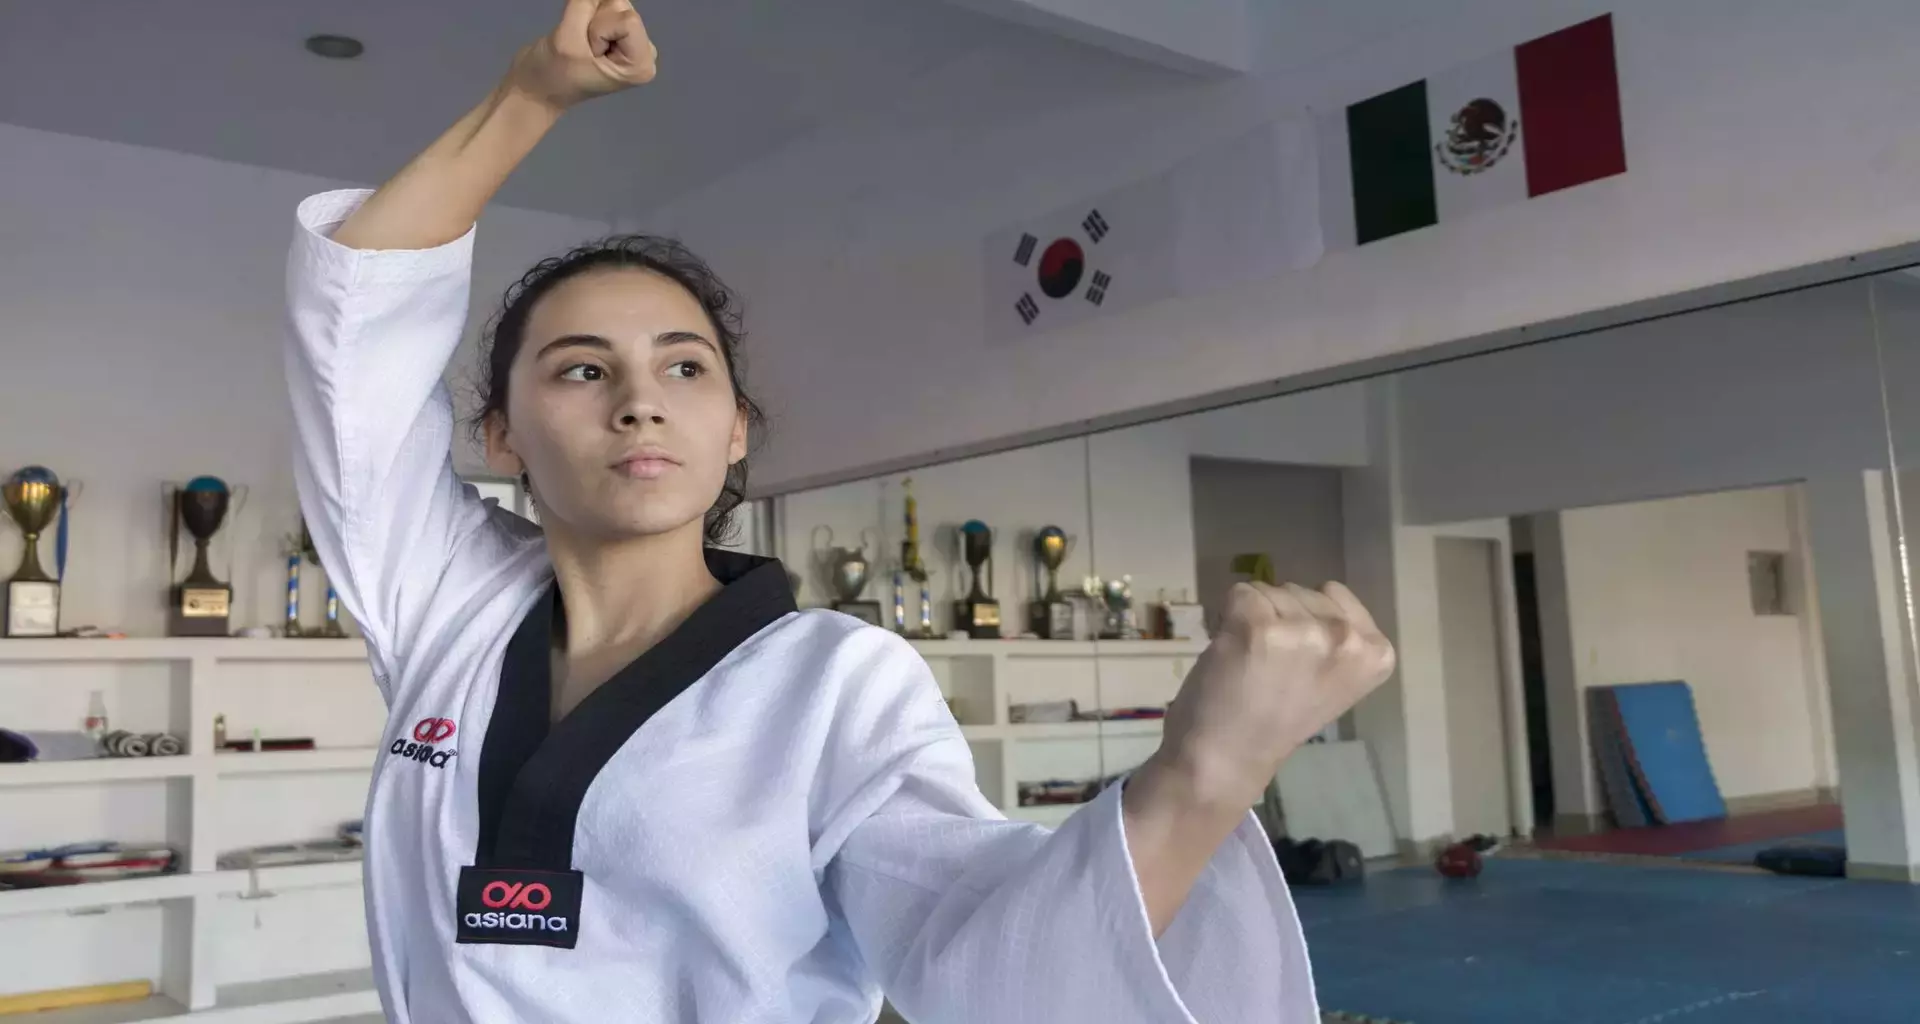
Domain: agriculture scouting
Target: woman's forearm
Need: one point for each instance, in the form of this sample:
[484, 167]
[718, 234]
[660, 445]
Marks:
[599, 47]
[1176, 819]
[439, 195]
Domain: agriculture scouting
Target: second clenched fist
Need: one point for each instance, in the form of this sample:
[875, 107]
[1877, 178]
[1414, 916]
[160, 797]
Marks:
[1287, 662]
[600, 46]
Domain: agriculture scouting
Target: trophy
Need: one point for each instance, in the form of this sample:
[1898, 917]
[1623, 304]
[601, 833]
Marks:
[1118, 595]
[1114, 599]
[293, 550]
[33, 498]
[301, 549]
[910, 574]
[201, 603]
[847, 570]
[977, 613]
[1051, 617]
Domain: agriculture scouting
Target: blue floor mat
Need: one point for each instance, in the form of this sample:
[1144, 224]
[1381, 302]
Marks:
[1664, 745]
[1743, 853]
[1592, 943]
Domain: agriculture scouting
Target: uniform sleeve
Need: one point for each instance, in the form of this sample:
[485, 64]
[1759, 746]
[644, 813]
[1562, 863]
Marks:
[371, 333]
[963, 917]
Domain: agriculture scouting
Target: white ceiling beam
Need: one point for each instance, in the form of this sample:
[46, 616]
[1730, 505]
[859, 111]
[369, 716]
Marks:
[1203, 37]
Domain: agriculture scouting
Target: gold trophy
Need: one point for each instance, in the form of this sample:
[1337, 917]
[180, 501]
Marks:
[33, 498]
[200, 604]
[977, 613]
[1051, 617]
[912, 613]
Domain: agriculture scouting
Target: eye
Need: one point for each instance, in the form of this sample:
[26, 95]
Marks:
[687, 369]
[583, 372]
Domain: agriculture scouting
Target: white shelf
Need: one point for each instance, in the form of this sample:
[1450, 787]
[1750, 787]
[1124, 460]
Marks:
[93, 895]
[99, 769]
[67, 649]
[288, 877]
[1111, 729]
[234, 882]
[236, 763]
[1058, 648]
[274, 762]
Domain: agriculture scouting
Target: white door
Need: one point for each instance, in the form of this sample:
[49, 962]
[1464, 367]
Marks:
[1470, 657]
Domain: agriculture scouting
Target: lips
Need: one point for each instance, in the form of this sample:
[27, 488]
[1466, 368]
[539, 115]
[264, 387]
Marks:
[646, 464]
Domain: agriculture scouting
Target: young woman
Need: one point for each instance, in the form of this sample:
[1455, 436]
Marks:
[625, 780]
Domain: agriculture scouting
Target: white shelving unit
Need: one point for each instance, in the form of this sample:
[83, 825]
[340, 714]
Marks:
[187, 988]
[982, 677]
[255, 883]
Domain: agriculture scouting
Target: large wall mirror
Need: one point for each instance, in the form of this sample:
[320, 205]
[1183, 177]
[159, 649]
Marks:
[1708, 498]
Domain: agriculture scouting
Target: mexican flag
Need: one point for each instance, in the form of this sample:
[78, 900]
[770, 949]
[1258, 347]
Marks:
[1538, 118]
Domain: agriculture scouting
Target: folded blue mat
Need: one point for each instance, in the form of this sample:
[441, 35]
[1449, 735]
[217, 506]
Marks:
[1665, 751]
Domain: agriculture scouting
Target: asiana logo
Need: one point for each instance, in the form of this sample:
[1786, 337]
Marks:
[425, 747]
[516, 905]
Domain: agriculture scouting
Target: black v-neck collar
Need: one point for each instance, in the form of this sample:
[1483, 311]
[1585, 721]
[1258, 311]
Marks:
[533, 778]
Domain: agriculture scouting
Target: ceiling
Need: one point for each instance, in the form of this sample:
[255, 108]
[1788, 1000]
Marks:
[229, 79]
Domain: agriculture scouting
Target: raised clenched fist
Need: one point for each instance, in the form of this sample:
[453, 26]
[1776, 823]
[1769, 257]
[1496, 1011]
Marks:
[1287, 662]
[600, 46]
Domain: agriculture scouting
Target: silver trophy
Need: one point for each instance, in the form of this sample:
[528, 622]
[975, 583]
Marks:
[847, 571]
[1114, 597]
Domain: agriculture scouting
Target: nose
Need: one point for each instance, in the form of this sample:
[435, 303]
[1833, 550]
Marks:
[640, 404]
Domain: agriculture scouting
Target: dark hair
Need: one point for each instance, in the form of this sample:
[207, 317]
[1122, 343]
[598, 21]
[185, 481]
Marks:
[663, 256]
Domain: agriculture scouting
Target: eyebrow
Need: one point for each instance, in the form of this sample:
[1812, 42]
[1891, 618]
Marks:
[594, 341]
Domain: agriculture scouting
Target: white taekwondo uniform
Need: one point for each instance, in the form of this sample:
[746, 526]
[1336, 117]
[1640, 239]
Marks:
[769, 818]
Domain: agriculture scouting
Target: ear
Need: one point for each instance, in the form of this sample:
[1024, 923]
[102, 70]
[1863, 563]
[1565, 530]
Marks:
[737, 446]
[500, 456]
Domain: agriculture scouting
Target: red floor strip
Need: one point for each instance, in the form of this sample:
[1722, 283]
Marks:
[1669, 840]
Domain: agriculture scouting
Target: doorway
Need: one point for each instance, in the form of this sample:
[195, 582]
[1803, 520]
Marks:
[1533, 686]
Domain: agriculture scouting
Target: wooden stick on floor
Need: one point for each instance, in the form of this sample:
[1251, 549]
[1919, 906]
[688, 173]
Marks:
[84, 995]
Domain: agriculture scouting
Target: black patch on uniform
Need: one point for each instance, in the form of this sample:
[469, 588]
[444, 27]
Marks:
[512, 907]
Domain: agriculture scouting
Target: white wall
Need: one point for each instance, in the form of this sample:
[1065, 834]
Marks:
[1658, 591]
[144, 297]
[1323, 427]
[1290, 513]
[1852, 522]
[1760, 392]
[1203, 36]
[860, 246]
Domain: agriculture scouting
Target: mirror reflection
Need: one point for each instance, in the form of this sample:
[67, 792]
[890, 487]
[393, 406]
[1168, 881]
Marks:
[1648, 586]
